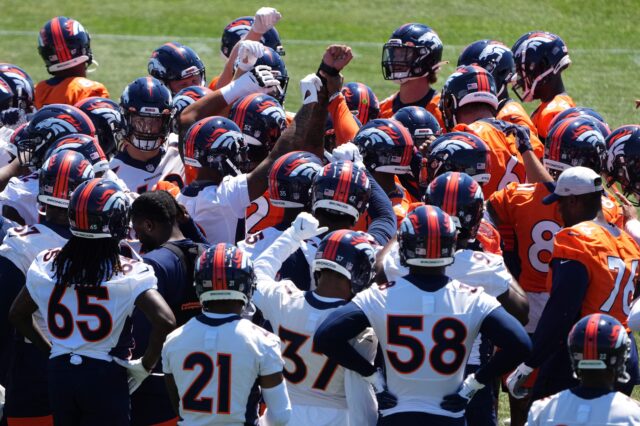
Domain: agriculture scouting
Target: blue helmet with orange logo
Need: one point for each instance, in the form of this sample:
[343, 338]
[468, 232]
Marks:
[63, 43]
[342, 188]
[262, 120]
[239, 27]
[386, 146]
[216, 143]
[581, 112]
[413, 51]
[290, 179]
[349, 253]
[427, 238]
[20, 86]
[460, 196]
[47, 125]
[361, 100]
[224, 272]
[60, 175]
[623, 158]
[175, 61]
[420, 123]
[86, 145]
[108, 119]
[496, 58]
[183, 99]
[459, 152]
[272, 59]
[99, 208]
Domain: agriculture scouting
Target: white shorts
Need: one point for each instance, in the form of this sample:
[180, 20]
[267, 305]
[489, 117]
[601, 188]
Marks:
[537, 302]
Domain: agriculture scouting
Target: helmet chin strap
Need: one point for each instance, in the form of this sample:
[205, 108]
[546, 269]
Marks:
[93, 67]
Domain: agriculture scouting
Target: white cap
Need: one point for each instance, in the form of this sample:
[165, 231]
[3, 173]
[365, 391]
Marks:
[575, 181]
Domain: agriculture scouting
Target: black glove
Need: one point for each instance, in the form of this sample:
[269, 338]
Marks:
[522, 136]
[385, 398]
[458, 401]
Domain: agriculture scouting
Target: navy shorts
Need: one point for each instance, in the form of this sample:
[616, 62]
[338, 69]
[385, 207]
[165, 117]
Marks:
[481, 409]
[27, 389]
[418, 418]
[150, 403]
[93, 392]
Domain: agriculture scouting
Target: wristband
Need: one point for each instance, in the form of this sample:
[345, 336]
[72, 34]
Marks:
[328, 69]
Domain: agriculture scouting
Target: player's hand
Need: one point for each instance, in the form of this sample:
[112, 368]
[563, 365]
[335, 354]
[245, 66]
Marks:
[136, 372]
[522, 136]
[458, 401]
[348, 151]
[337, 56]
[629, 211]
[259, 79]
[265, 19]
[309, 88]
[516, 379]
[248, 53]
[305, 226]
[12, 117]
[386, 399]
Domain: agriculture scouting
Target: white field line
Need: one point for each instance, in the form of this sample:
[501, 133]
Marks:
[164, 38]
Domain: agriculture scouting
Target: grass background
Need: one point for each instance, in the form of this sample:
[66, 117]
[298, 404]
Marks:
[602, 39]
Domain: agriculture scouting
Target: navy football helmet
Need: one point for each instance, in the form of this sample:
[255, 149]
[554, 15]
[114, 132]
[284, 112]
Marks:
[579, 112]
[60, 175]
[6, 97]
[99, 209]
[361, 100]
[427, 238]
[575, 142]
[494, 57]
[86, 145]
[108, 119]
[290, 179]
[224, 272]
[420, 123]
[460, 196]
[537, 55]
[216, 142]
[183, 99]
[341, 188]
[63, 43]
[16, 93]
[148, 111]
[262, 120]
[174, 61]
[599, 342]
[459, 152]
[412, 51]
[623, 158]
[46, 126]
[272, 59]
[330, 133]
[386, 146]
[239, 27]
[350, 254]
[469, 84]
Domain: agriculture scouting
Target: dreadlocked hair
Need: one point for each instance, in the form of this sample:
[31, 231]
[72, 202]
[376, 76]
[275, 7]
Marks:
[85, 262]
[156, 206]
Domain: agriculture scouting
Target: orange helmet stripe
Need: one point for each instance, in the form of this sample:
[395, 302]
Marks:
[62, 51]
[219, 278]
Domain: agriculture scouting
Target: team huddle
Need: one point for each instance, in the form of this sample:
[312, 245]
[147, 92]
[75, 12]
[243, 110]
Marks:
[195, 254]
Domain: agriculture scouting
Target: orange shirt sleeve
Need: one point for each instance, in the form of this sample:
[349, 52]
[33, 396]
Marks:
[515, 113]
[214, 82]
[344, 123]
[386, 107]
[547, 111]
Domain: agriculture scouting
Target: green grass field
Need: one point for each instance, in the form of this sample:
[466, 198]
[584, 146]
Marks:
[602, 38]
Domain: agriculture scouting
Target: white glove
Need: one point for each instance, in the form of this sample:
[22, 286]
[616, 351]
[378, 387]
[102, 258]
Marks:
[305, 226]
[458, 401]
[309, 87]
[516, 379]
[248, 53]
[136, 372]
[265, 19]
[258, 80]
[348, 151]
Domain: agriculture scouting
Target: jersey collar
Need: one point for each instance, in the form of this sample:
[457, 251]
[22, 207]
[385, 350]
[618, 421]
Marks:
[422, 102]
[61, 230]
[589, 393]
[194, 188]
[312, 299]
[149, 166]
[428, 283]
[214, 322]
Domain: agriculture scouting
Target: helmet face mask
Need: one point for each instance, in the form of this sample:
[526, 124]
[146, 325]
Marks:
[623, 159]
[413, 51]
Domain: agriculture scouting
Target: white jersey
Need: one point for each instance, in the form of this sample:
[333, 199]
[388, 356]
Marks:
[215, 361]
[21, 193]
[217, 208]
[425, 337]
[8, 151]
[566, 408]
[21, 245]
[87, 321]
[474, 268]
[140, 176]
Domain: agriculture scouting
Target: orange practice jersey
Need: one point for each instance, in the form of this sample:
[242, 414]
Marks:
[214, 82]
[611, 258]
[524, 218]
[67, 91]
[489, 238]
[401, 205]
[392, 104]
[513, 112]
[547, 111]
[261, 214]
[506, 164]
[344, 123]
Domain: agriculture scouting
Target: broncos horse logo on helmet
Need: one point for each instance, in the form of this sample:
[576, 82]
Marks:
[290, 179]
[361, 100]
[108, 118]
[386, 146]
[412, 51]
[623, 159]
[85, 145]
[459, 152]
[60, 175]
[63, 43]
[237, 29]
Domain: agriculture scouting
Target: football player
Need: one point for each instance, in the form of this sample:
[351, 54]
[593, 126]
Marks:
[540, 58]
[108, 119]
[16, 105]
[424, 309]
[19, 197]
[361, 101]
[65, 48]
[214, 363]
[322, 393]
[147, 156]
[412, 58]
[27, 398]
[497, 59]
[599, 349]
[177, 66]
[469, 104]
[582, 112]
[86, 292]
[593, 269]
